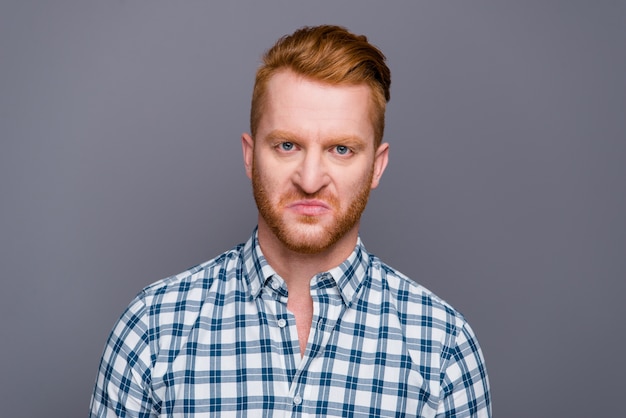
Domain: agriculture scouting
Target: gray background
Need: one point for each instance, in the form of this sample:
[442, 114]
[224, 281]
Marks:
[120, 164]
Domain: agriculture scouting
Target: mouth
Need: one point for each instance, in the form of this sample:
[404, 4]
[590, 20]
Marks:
[312, 207]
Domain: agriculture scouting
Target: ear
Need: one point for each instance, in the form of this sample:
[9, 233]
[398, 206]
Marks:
[247, 146]
[380, 163]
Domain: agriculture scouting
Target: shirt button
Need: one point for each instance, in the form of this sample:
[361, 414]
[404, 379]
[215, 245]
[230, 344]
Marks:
[275, 285]
[282, 322]
[297, 400]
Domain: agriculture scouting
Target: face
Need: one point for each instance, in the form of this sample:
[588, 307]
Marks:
[313, 162]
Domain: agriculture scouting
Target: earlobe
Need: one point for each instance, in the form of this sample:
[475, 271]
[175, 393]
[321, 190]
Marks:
[380, 163]
[247, 146]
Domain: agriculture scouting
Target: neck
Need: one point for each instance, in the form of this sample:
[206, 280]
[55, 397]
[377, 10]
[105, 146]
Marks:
[297, 269]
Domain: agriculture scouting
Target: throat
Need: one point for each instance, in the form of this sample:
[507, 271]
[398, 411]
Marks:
[302, 309]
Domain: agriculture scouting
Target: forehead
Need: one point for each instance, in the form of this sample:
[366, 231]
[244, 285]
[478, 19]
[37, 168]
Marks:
[294, 102]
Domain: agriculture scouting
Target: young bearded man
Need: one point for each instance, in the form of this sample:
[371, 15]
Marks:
[300, 320]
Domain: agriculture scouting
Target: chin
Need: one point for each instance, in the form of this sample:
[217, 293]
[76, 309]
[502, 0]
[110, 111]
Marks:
[307, 247]
[310, 238]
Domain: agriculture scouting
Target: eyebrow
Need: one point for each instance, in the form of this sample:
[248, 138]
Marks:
[283, 135]
[352, 141]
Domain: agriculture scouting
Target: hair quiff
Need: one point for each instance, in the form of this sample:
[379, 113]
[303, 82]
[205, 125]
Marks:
[329, 54]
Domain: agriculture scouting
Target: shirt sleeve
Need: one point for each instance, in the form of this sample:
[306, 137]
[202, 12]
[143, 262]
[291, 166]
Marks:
[465, 386]
[123, 384]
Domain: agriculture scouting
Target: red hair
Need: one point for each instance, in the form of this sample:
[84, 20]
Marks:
[329, 54]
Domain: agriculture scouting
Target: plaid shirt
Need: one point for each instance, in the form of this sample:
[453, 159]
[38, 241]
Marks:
[218, 340]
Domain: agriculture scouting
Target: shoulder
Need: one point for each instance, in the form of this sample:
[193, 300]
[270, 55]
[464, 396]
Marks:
[431, 327]
[189, 289]
[417, 307]
[157, 320]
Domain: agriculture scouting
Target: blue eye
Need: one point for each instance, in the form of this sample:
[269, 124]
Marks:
[286, 146]
[342, 149]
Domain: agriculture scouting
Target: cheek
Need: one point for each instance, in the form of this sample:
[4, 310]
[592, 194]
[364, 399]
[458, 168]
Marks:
[352, 184]
[267, 164]
[270, 179]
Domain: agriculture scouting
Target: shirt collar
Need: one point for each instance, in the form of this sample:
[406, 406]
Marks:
[352, 273]
[256, 268]
[349, 276]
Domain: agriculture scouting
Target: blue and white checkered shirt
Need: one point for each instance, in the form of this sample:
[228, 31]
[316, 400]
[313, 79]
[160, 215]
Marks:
[218, 340]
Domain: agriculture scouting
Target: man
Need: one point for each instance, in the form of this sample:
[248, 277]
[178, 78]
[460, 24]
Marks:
[300, 320]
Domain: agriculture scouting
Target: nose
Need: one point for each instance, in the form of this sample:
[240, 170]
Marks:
[311, 175]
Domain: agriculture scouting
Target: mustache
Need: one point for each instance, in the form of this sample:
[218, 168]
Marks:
[296, 195]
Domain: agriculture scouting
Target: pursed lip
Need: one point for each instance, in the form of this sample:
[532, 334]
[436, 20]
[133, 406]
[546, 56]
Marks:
[310, 207]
